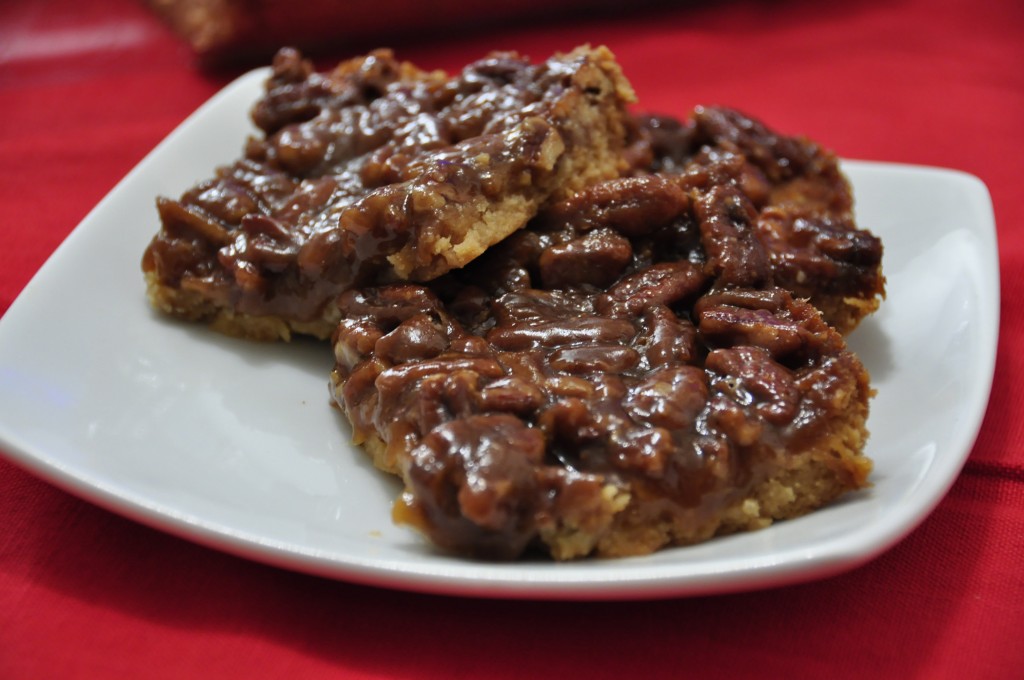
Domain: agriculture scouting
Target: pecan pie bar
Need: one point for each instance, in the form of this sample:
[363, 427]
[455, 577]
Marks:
[380, 171]
[621, 376]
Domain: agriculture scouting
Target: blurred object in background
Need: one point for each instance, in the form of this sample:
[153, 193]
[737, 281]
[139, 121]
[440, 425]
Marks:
[231, 30]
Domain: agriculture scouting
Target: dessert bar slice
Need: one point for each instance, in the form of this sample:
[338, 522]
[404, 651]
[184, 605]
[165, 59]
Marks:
[622, 376]
[379, 171]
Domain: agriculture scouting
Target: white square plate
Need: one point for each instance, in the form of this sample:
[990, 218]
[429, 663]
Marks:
[233, 444]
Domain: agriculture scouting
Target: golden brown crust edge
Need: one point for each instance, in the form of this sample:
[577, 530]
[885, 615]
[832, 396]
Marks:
[190, 306]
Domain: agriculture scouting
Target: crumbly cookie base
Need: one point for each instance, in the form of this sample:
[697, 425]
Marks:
[192, 306]
[803, 483]
[845, 314]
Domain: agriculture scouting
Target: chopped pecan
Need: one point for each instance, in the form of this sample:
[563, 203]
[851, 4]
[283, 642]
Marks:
[479, 476]
[735, 257]
[596, 259]
[666, 283]
[790, 330]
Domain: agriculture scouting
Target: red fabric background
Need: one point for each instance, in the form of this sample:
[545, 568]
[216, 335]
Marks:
[85, 92]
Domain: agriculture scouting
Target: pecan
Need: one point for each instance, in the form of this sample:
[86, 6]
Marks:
[419, 337]
[388, 306]
[735, 256]
[670, 397]
[661, 284]
[791, 330]
[182, 218]
[560, 333]
[672, 142]
[224, 198]
[750, 377]
[354, 340]
[542, 319]
[666, 339]
[473, 484]
[814, 254]
[511, 395]
[596, 259]
[632, 206]
[595, 359]
[779, 157]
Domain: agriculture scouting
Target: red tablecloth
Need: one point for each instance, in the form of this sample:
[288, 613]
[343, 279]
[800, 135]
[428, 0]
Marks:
[85, 92]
